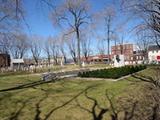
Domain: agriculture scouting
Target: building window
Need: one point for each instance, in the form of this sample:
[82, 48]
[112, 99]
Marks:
[137, 57]
[140, 57]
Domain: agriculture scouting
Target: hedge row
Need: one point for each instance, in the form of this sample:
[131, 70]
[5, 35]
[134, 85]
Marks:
[113, 73]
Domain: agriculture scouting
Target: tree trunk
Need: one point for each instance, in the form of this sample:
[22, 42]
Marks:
[65, 60]
[49, 61]
[78, 47]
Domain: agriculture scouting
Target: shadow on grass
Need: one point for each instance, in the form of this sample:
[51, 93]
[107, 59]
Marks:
[98, 112]
[95, 109]
[51, 112]
[92, 111]
[14, 115]
[28, 85]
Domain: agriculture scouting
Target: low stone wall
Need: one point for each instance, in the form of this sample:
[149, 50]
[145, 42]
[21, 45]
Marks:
[52, 75]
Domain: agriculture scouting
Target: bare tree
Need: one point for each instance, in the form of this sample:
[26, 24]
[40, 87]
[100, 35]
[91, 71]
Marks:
[101, 49]
[10, 10]
[143, 42]
[19, 45]
[71, 43]
[74, 13]
[149, 13]
[115, 39]
[47, 49]
[36, 48]
[10, 14]
[101, 46]
[55, 49]
[62, 45]
[63, 52]
[86, 45]
[5, 43]
[152, 8]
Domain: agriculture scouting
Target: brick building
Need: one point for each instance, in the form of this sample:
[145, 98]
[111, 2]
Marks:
[96, 59]
[131, 55]
[4, 60]
[126, 49]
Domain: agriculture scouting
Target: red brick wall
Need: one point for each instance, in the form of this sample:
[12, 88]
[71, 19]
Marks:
[4, 60]
[126, 49]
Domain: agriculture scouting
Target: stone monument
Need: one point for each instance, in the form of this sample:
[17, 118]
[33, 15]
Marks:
[83, 64]
[119, 60]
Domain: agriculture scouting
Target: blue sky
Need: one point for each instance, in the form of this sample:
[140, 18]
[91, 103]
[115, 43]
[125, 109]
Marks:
[37, 16]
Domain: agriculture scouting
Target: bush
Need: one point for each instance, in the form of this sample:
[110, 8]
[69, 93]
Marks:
[112, 72]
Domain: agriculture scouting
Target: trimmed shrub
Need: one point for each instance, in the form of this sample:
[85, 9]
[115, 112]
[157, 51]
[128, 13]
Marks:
[112, 72]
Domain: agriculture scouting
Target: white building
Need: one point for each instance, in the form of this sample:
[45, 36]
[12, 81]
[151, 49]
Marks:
[154, 54]
[17, 63]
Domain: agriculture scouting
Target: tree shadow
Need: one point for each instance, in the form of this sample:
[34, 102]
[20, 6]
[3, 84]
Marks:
[38, 110]
[116, 111]
[93, 111]
[48, 115]
[16, 113]
[29, 85]
[98, 112]
[153, 78]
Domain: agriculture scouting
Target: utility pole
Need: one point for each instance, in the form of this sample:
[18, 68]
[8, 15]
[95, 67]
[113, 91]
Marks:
[108, 22]
[115, 47]
[121, 46]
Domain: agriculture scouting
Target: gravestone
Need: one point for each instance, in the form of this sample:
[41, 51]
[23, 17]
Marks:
[62, 61]
[83, 64]
[119, 60]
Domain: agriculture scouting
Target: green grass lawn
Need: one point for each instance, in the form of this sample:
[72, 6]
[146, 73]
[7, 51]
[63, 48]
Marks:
[64, 100]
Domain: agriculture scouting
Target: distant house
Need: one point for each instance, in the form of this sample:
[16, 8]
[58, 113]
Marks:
[138, 57]
[42, 61]
[4, 60]
[17, 64]
[96, 59]
[154, 54]
[29, 62]
[100, 59]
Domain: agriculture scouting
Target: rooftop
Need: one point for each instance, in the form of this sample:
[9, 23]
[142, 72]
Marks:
[153, 47]
[17, 61]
